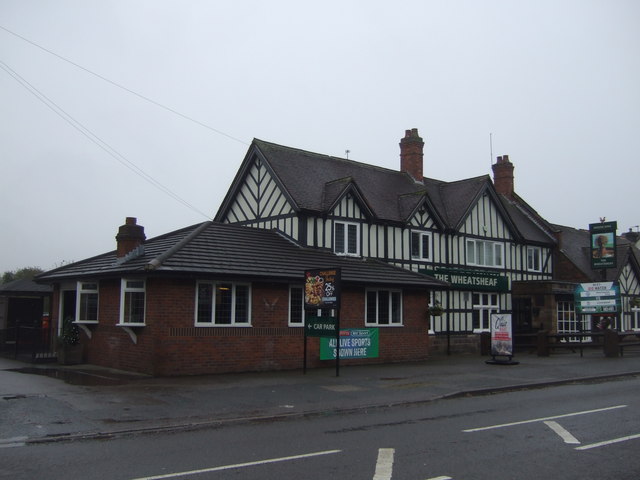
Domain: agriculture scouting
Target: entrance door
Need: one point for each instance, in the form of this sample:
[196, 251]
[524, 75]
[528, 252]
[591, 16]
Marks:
[522, 315]
[68, 307]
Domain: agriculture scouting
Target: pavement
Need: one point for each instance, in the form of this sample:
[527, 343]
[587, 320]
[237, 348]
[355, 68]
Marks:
[42, 403]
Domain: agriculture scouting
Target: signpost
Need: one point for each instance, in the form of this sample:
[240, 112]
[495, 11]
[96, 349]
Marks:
[595, 298]
[322, 291]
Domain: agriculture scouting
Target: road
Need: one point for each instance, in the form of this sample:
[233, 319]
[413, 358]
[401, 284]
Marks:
[570, 432]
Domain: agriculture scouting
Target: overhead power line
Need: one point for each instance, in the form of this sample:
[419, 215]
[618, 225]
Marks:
[122, 87]
[94, 138]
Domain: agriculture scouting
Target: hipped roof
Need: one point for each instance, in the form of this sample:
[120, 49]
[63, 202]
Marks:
[233, 252]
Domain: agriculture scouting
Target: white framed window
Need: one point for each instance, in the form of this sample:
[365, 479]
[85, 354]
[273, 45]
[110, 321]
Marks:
[383, 308]
[87, 304]
[346, 238]
[534, 259]
[421, 245]
[568, 321]
[223, 303]
[484, 304]
[485, 253]
[132, 302]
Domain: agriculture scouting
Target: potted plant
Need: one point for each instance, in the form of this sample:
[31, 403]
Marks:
[435, 310]
[69, 347]
[635, 302]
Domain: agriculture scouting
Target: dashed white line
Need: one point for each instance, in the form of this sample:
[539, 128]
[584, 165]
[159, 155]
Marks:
[239, 465]
[13, 442]
[562, 432]
[384, 465]
[524, 422]
[608, 442]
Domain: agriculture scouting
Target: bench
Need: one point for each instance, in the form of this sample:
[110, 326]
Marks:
[624, 341]
[551, 341]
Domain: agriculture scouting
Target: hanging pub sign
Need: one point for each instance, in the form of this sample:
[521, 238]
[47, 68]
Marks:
[603, 244]
[322, 288]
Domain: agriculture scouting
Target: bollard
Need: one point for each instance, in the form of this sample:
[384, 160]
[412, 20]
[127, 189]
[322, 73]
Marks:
[611, 343]
[543, 343]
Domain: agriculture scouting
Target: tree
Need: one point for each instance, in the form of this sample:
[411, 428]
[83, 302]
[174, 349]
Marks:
[20, 274]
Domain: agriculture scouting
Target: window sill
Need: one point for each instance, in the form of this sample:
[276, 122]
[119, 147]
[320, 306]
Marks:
[86, 322]
[223, 325]
[375, 325]
[131, 324]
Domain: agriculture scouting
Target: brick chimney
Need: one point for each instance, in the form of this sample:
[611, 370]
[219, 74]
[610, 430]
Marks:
[411, 154]
[130, 236]
[503, 176]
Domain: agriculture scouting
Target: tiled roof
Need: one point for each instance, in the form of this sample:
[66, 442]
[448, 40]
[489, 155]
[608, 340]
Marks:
[236, 252]
[305, 175]
[24, 286]
[313, 181]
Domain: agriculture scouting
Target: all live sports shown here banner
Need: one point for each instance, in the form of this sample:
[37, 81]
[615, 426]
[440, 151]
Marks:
[354, 343]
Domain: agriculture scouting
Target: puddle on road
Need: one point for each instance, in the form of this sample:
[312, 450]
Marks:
[74, 377]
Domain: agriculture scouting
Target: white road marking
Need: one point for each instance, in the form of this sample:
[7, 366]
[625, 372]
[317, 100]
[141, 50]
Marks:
[384, 465]
[440, 478]
[13, 442]
[562, 432]
[608, 442]
[239, 465]
[524, 422]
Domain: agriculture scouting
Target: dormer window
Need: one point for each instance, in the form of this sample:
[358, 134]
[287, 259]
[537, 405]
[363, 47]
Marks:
[346, 238]
[421, 245]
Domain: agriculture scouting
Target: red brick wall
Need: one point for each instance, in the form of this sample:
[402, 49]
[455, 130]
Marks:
[170, 344]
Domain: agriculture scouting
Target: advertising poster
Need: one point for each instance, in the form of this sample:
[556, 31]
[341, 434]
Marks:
[603, 244]
[322, 288]
[354, 343]
[501, 335]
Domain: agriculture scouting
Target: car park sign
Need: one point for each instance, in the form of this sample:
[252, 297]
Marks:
[602, 297]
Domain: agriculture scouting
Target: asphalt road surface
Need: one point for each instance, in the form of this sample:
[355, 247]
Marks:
[570, 432]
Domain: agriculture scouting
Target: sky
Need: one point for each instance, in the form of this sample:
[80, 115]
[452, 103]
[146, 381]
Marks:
[145, 109]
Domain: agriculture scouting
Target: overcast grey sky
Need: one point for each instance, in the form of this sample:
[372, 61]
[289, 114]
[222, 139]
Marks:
[556, 83]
